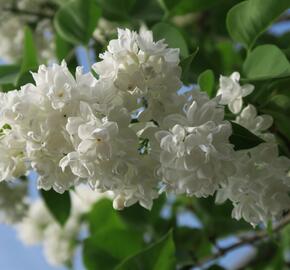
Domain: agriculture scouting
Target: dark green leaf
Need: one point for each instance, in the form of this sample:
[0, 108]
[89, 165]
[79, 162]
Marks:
[172, 35]
[181, 7]
[9, 74]
[279, 103]
[108, 247]
[206, 82]
[191, 244]
[216, 218]
[116, 9]
[248, 19]
[185, 65]
[242, 138]
[59, 205]
[159, 256]
[266, 61]
[62, 47]
[215, 267]
[281, 122]
[76, 20]
[139, 217]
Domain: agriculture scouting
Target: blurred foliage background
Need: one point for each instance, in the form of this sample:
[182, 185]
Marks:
[215, 37]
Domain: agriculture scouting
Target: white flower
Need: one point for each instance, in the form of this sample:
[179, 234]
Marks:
[259, 188]
[106, 154]
[232, 92]
[195, 148]
[145, 72]
[258, 124]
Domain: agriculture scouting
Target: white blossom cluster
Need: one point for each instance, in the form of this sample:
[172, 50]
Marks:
[129, 132]
[59, 242]
[259, 189]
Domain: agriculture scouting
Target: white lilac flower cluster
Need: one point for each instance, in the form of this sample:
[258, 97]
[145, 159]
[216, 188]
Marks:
[129, 132]
[59, 243]
[259, 189]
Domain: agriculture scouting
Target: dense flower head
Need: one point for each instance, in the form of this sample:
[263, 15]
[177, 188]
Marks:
[142, 68]
[130, 133]
[195, 148]
[259, 189]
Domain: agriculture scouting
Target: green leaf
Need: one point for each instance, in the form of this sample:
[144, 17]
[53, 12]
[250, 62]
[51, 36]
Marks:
[215, 267]
[266, 61]
[139, 217]
[76, 20]
[181, 7]
[59, 205]
[62, 47]
[191, 243]
[281, 121]
[172, 36]
[242, 138]
[249, 19]
[116, 9]
[230, 58]
[185, 65]
[103, 216]
[9, 74]
[216, 218]
[159, 256]
[279, 103]
[105, 249]
[29, 60]
[206, 82]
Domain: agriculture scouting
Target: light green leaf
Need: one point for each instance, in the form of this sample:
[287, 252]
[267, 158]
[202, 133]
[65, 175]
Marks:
[159, 256]
[103, 216]
[29, 60]
[76, 20]
[249, 19]
[266, 61]
[206, 82]
[59, 205]
[242, 138]
[172, 35]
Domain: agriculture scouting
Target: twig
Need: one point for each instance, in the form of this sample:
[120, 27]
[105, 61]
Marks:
[245, 241]
[15, 10]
